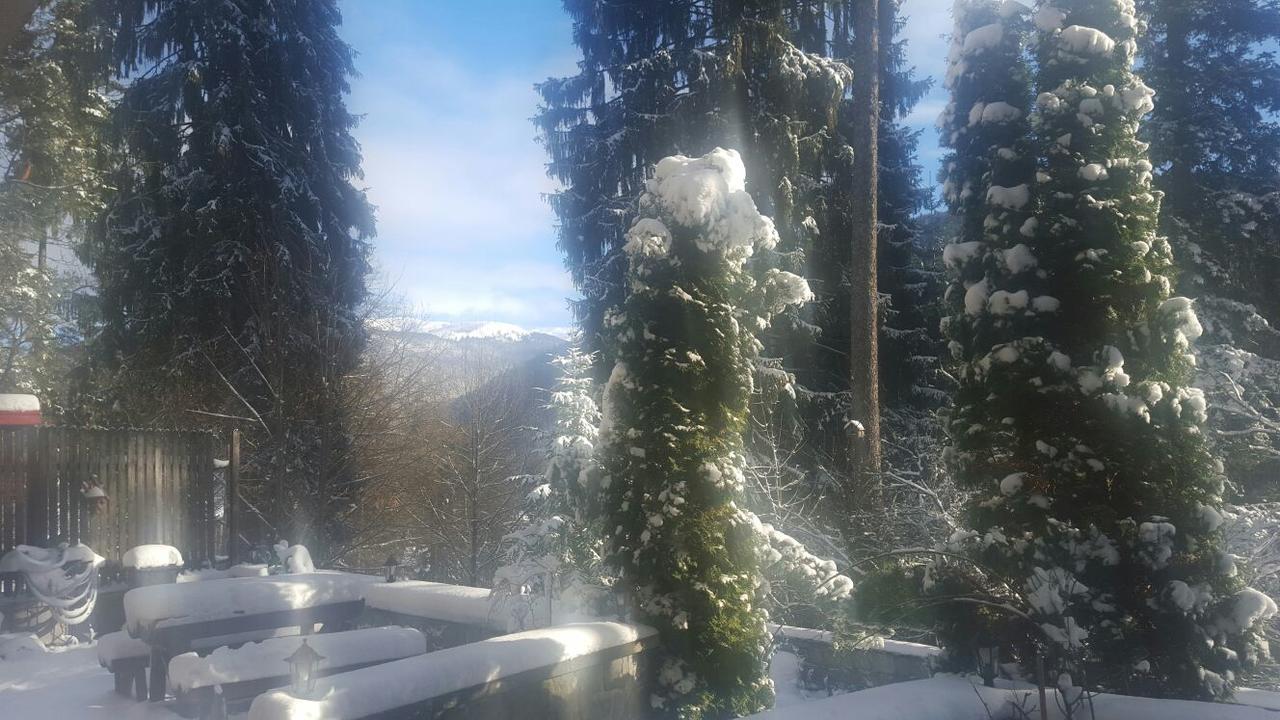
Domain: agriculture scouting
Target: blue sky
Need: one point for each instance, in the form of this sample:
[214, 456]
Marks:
[450, 156]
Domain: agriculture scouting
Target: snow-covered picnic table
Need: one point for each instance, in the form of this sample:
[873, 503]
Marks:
[171, 618]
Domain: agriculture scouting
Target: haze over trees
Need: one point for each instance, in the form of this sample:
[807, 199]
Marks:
[1046, 422]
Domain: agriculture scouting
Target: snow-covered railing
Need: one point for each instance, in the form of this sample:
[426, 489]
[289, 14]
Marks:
[434, 601]
[870, 662]
[593, 667]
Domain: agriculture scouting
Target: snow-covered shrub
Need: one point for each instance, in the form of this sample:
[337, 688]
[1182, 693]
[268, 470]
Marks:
[554, 568]
[671, 441]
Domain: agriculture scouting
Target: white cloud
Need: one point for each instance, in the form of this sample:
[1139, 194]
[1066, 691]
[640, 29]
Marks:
[453, 166]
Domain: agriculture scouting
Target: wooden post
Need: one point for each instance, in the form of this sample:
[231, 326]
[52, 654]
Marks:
[233, 494]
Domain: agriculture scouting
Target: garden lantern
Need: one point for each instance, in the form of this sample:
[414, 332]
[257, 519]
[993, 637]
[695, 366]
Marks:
[393, 564]
[95, 497]
[302, 667]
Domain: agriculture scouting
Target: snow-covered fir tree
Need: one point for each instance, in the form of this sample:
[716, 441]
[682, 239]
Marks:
[1096, 514]
[671, 442]
[670, 76]
[554, 565]
[233, 258]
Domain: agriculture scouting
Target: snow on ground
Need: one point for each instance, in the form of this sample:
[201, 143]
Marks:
[67, 684]
[785, 672]
[947, 697]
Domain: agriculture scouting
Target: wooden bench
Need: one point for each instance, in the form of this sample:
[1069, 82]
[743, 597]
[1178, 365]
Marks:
[127, 659]
[230, 677]
[579, 670]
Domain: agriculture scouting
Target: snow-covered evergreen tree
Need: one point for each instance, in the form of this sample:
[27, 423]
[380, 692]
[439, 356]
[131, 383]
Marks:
[675, 409]
[54, 102]
[554, 563]
[233, 259]
[670, 76]
[1096, 508]
[1215, 143]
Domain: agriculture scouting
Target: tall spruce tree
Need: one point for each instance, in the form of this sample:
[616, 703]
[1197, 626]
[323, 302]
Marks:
[233, 259]
[671, 443]
[1095, 511]
[1215, 143]
[908, 282]
[54, 98]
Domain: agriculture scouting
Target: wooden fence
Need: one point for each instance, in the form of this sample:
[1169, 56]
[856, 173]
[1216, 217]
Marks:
[160, 484]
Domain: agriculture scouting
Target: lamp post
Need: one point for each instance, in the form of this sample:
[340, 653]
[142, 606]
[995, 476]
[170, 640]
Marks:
[302, 667]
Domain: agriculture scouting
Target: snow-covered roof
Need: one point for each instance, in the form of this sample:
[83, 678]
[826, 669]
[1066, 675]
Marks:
[11, 402]
[379, 688]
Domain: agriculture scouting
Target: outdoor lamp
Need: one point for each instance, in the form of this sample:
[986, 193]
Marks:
[302, 667]
[95, 496]
[393, 564]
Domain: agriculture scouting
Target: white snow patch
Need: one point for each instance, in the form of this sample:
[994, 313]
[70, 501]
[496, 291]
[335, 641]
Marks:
[1010, 198]
[152, 556]
[436, 601]
[1083, 40]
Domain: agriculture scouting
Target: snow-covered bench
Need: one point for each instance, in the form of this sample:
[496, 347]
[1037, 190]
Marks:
[449, 614]
[244, 673]
[126, 658]
[579, 670]
[172, 619]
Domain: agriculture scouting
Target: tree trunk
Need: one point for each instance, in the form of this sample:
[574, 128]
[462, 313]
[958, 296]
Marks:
[864, 375]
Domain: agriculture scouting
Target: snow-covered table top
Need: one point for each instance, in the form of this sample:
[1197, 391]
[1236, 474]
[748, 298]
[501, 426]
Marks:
[161, 606]
[266, 659]
[397, 684]
[152, 556]
[435, 601]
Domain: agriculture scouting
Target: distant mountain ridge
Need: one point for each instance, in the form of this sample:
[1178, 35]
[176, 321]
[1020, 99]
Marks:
[471, 330]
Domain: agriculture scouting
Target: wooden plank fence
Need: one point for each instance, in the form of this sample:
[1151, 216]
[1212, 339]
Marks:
[161, 487]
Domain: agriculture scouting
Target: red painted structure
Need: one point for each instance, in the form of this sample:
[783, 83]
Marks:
[19, 410]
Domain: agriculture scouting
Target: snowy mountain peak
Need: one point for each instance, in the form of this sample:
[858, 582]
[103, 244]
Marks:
[458, 331]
